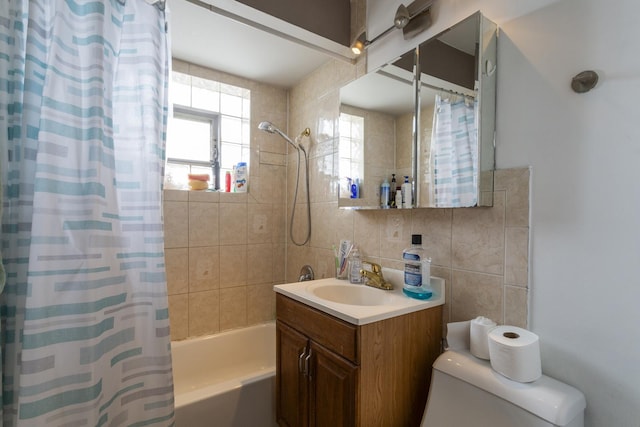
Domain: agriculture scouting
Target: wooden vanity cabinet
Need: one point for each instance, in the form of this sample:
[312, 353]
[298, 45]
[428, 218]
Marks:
[330, 373]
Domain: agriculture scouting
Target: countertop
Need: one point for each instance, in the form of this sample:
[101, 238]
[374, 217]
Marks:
[392, 303]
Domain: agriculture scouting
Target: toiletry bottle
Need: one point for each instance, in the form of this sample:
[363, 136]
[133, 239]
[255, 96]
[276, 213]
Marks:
[227, 182]
[355, 264]
[233, 178]
[417, 270]
[241, 177]
[384, 194]
[392, 202]
[407, 196]
[398, 202]
[354, 189]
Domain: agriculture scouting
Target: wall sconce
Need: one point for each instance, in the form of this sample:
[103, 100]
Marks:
[412, 20]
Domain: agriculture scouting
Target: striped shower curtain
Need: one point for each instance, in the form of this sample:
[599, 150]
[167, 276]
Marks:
[83, 108]
[454, 153]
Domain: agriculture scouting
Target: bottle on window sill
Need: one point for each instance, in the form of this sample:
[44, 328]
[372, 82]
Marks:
[227, 182]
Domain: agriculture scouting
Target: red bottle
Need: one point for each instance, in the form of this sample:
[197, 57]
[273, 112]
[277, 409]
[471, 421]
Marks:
[227, 182]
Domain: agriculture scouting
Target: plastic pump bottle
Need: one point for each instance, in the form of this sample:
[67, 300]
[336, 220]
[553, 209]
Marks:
[417, 270]
[355, 264]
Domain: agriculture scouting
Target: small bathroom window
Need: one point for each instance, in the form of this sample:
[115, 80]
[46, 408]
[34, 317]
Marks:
[208, 132]
[351, 150]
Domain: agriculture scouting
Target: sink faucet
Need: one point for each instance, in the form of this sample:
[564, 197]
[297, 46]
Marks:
[374, 277]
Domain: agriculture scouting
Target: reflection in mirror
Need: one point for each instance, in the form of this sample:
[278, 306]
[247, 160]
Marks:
[376, 116]
[457, 116]
[377, 135]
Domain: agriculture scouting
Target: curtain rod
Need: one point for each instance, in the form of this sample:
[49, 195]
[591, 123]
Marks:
[453, 92]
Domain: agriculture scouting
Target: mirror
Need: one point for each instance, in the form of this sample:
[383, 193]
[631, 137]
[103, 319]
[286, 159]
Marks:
[449, 78]
[376, 119]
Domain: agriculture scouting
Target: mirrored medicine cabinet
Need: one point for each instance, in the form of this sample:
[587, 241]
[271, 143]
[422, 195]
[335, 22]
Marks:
[428, 115]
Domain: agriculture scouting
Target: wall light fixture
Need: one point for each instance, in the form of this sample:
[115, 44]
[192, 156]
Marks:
[412, 20]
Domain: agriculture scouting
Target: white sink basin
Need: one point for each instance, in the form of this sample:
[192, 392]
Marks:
[361, 304]
[353, 294]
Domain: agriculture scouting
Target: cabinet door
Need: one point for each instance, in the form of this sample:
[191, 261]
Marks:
[332, 383]
[292, 394]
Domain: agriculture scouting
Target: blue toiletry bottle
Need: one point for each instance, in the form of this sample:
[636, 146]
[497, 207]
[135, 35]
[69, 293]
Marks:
[355, 189]
[417, 270]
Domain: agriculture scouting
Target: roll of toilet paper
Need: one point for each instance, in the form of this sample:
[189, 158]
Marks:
[515, 353]
[458, 335]
[479, 336]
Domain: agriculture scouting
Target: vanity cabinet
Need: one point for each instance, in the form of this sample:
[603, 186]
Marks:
[332, 373]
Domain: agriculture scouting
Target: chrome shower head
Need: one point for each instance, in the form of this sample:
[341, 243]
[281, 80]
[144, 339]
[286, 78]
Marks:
[269, 127]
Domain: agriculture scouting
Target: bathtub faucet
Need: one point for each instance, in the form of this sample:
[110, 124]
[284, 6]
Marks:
[306, 273]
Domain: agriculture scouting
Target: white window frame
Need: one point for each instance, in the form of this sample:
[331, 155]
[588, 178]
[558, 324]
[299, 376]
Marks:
[195, 114]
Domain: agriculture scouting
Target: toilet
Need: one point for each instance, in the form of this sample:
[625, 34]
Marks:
[466, 392]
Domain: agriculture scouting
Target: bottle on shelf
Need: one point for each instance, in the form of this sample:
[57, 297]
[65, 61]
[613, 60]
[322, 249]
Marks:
[384, 194]
[392, 191]
[407, 194]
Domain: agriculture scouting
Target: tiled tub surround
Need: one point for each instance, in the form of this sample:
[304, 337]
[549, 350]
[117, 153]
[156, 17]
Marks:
[223, 256]
[225, 251]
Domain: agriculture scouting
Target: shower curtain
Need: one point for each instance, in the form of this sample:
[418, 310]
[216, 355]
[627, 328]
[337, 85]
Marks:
[83, 109]
[454, 148]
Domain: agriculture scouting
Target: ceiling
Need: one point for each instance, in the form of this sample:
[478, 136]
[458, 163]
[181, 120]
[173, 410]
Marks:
[204, 37]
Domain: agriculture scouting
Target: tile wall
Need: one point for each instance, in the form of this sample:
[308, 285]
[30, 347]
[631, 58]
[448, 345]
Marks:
[482, 253]
[225, 251]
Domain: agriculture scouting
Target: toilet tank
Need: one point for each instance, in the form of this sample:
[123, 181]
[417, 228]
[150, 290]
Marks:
[466, 392]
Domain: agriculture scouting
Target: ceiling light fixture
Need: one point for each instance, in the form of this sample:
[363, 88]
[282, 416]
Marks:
[401, 21]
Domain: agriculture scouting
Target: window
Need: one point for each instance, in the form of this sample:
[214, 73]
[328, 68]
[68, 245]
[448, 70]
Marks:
[350, 150]
[209, 130]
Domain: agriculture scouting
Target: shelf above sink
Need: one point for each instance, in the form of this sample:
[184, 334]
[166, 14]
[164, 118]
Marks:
[361, 304]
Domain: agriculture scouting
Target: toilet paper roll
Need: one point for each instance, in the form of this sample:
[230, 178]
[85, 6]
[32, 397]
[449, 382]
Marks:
[458, 335]
[479, 336]
[515, 353]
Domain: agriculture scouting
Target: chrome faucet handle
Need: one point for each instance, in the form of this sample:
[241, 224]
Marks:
[306, 273]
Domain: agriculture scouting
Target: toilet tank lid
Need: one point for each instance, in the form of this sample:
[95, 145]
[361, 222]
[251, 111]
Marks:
[549, 399]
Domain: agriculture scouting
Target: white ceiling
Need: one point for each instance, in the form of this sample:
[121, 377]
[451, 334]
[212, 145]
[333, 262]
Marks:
[204, 37]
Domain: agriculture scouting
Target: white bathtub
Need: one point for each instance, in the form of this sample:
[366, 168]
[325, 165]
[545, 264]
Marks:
[227, 379]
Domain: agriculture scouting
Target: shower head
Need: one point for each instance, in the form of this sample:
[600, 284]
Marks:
[269, 127]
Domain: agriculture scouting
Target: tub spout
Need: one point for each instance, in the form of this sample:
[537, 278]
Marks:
[306, 274]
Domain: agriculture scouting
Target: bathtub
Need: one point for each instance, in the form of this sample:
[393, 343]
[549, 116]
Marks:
[227, 379]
